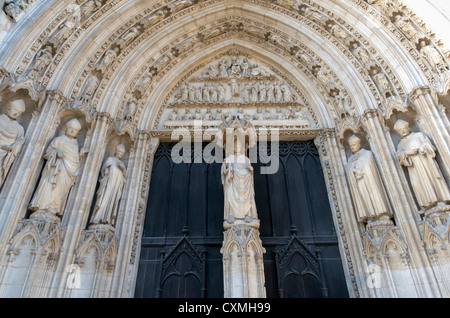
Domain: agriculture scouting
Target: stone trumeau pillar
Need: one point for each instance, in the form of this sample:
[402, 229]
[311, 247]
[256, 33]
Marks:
[242, 249]
[399, 248]
[80, 199]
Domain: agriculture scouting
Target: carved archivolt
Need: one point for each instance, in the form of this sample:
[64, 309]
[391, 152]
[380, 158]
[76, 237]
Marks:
[140, 28]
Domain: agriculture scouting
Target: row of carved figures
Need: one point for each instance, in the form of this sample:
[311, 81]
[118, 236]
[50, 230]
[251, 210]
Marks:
[415, 152]
[234, 69]
[63, 159]
[288, 114]
[263, 92]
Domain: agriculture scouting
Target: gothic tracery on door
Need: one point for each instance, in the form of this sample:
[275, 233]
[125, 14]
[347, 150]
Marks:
[183, 233]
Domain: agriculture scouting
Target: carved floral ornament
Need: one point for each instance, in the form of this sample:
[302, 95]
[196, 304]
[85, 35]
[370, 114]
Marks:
[381, 81]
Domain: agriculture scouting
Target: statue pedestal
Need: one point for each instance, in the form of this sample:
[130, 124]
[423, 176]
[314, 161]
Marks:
[45, 215]
[243, 262]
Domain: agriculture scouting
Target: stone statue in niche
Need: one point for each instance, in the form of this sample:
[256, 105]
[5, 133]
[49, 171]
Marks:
[223, 69]
[416, 152]
[360, 53]
[184, 96]
[246, 91]
[404, 24]
[91, 85]
[221, 93]
[66, 28]
[130, 109]
[287, 94]
[324, 77]
[431, 54]
[198, 114]
[254, 93]
[270, 92]
[337, 31]
[213, 91]
[382, 82]
[369, 196]
[198, 94]
[206, 93]
[112, 181]
[12, 8]
[277, 93]
[341, 102]
[289, 113]
[60, 172]
[90, 7]
[11, 136]
[262, 93]
[256, 70]
[43, 59]
[208, 115]
[187, 115]
[237, 180]
[174, 114]
[153, 18]
[245, 67]
[313, 14]
[127, 37]
[235, 68]
[145, 81]
[109, 57]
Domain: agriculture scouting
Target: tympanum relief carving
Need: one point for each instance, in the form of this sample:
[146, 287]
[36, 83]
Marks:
[235, 86]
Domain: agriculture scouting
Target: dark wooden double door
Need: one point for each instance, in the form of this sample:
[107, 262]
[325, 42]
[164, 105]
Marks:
[183, 234]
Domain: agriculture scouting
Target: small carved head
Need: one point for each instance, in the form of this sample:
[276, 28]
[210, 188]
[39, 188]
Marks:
[355, 143]
[402, 127]
[15, 108]
[73, 127]
[120, 151]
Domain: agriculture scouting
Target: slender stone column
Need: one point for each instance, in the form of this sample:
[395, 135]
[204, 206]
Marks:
[81, 197]
[434, 124]
[405, 210]
[132, 213]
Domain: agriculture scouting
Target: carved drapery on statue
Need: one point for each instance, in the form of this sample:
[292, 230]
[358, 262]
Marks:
[416, 152]
[369, 196]
[11, 136]
[59, 174]
[113, 177]
[237, 175]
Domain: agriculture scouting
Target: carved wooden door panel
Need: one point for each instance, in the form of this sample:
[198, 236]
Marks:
[183, 233]
[180, 250]
[297, 230]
